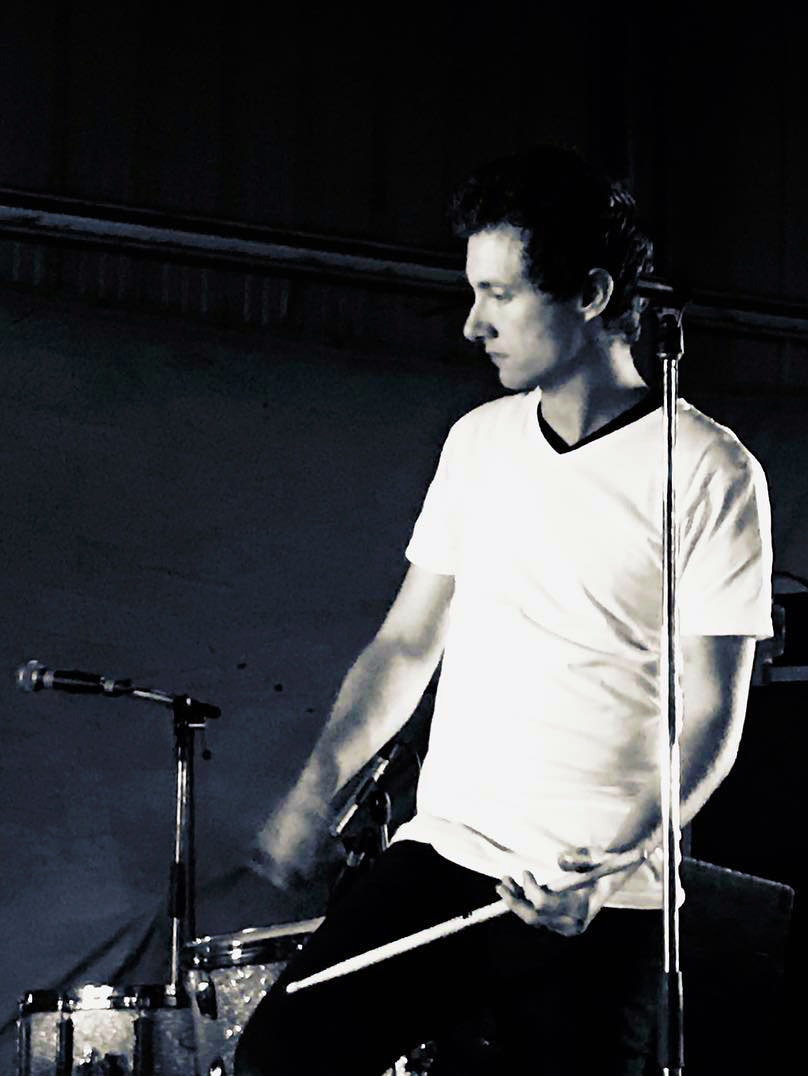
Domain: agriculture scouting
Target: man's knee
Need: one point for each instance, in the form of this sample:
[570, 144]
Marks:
[246, 1062]
[274, 1043]
[256, 1058]
[244, 1068]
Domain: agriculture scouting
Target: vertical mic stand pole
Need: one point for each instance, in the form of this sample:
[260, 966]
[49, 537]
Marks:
[181, 901]
[189, 715]
[670, 347]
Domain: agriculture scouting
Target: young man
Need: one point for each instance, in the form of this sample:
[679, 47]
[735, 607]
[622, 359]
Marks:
[535, 570]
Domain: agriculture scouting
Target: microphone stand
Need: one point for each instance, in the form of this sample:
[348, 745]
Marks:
[189, 715]
[670, 347]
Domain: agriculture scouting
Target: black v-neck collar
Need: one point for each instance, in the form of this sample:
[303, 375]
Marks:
[643, 407]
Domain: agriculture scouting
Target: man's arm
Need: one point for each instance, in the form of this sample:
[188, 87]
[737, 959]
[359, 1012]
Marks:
[377, 697]
[716, 672]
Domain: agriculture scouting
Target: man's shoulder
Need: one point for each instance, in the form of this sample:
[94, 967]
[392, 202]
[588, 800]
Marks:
[706, 434]
[503, 412]
[711, 445]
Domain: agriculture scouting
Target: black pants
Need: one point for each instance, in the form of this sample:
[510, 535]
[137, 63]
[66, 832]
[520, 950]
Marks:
[557, 1005]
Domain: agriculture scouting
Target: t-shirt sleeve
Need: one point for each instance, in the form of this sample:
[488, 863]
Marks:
[434, 541]
[726, 550]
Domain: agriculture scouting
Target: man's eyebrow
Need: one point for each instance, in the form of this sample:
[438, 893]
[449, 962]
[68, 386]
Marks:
[487, 285]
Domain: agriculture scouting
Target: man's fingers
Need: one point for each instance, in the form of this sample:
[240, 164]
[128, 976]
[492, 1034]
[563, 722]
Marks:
[564, 913]
[532, 887]
[561, 923]
[569, 926]
[563, 902]
[580, 859]
[519, 905]
[539, 894]
[538, 897]
[596, 859]
[512, 893]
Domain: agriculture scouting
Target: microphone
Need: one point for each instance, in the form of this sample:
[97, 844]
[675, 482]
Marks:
[33, 676]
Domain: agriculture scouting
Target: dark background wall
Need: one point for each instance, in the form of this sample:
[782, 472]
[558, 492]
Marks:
[218, 503]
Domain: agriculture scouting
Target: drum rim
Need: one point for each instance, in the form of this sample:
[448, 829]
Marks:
[98, 997]
[213, 951]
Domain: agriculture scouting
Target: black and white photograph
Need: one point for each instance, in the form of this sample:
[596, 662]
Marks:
[404, 479]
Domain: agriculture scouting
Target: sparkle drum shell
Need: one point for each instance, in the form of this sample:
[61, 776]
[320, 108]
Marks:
[104, 1031]
[226, 976]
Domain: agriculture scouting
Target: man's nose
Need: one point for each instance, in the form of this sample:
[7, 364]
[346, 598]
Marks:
[477, 327]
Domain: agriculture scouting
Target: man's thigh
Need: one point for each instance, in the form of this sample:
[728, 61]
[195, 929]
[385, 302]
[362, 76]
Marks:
[577, 1005]
[360, 1023]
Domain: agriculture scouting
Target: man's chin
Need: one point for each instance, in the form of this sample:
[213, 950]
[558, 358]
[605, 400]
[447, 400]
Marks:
[513, 382]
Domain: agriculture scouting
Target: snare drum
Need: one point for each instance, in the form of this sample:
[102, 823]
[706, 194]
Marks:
[104, 1031]
[226, 976]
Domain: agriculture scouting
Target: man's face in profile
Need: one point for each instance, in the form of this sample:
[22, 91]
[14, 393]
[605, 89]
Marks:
[528, 335]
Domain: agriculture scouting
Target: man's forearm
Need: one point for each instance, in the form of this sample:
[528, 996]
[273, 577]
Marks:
[704, 766]
[378, 695]
[716, 671]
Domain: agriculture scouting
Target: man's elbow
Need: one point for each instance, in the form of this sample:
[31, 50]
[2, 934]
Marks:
[724, 754]
[395, 655]
[725, 761]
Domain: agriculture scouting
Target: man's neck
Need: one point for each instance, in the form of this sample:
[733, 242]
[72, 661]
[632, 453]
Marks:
[595, 394]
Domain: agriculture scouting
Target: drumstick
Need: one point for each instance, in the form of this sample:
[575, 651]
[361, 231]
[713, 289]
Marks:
[442, 930]
[401, 945]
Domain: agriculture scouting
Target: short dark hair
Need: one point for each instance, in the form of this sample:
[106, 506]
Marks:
[573, 218]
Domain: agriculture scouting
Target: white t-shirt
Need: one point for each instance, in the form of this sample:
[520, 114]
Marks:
[546, 720]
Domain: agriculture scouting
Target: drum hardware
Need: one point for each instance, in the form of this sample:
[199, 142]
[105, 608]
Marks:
[104, 1031]
[205, 995]
[363, 823]
[367, 793]
[362, 844]
[64, 1050]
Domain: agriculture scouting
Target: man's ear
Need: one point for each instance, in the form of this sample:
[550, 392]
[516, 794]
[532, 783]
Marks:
[597, 292]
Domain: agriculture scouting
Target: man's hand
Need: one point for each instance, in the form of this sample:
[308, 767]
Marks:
[569, 911]
[566, 913]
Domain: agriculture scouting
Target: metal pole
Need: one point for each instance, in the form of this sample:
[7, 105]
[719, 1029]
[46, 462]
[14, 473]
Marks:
[671, 1001]
[182, 895]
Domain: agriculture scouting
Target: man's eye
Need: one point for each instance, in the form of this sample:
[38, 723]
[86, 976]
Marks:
[501, 296]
